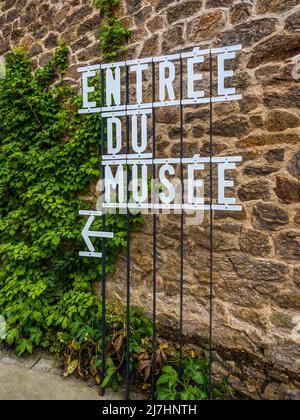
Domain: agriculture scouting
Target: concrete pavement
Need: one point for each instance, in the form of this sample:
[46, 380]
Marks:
[39, 377]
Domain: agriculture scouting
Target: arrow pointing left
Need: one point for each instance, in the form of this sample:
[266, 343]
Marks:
[87, 234]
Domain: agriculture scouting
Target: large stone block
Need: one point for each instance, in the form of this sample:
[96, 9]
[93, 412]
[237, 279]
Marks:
[4, 45]
[79, 15]
[259, 170]
[234, 126]
[260, 270]
[206, 26]
[292, 23]
[21, 4]
[287, 244]
[251, 316]
[289, 300]
[150, 47]
[240, 13]
[7, 4]
[83, 42]
[12, 15]
[156, 24]
[173, 38]
[281, 320]
[262, 139]
[282, 99]
[134, 6]
[293, 166]
[218, 3]
[255, 190]
[51, 41]
[273, 6]
[88, 25]
[297, 217]
[270, 216]
[142, 16]
[277, 48]
[287, 189]
[297, 275]
[238, 292]
[86, 53]
[255, 242]
[275, 155]
[35, 49]
[281, 120]
[248, 33]
[183, 10]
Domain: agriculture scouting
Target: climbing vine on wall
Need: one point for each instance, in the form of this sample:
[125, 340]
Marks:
[113, 33]
[48, 157]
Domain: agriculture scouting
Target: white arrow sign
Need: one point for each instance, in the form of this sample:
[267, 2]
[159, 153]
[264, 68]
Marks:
[87, 234]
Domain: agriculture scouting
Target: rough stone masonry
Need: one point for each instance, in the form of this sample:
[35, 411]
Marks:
[256, 252]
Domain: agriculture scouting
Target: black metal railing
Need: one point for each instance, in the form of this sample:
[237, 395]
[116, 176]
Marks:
[154, 221]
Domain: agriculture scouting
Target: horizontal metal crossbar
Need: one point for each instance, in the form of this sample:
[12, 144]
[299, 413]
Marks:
[195, 207]
[172, 161]
[138, 107]
[90, 254]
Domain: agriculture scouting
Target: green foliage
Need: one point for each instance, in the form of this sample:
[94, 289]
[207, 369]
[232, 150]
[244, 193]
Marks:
[114, 34]
[113, 37]
[48, 158]
[83, 357]
[82, 345]
[193, 384]
[107, 7]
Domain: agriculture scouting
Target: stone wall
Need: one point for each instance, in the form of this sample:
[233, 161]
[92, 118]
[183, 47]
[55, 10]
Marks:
[256, 252]
[37, 25]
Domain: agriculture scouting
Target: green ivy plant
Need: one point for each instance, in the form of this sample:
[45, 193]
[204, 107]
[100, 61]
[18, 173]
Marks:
[193, 385]
[49, 157]
[107, 7]
[114, 34]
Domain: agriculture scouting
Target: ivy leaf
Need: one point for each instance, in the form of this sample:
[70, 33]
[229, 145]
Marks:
[166, 394]
[71, 368]
[163, 379]
[37, 316]
[10, 338]
[56, 240]
[29, 347]
[199, 378]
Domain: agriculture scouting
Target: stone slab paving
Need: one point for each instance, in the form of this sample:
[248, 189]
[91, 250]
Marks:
[39, 377]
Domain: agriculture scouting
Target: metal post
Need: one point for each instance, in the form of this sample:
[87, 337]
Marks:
[103, 344]
[127, 386]
[211, 231]
[154, 238]
[181, 225]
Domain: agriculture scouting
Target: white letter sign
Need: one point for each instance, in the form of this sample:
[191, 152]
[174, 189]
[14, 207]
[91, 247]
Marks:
[113, 86]
[166, 82]
[222, 74]
[114, 136]
[128, 112]
[86, 89]
[192, 78]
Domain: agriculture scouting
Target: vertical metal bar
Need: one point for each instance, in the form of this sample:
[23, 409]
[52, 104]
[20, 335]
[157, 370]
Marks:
[154, 238]
[127, 386]
[181, 224]
[211, 231]
[103, 344]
